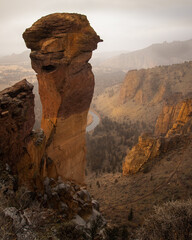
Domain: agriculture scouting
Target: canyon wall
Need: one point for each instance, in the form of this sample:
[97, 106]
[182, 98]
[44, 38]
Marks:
[61, 45]
[154, 85]
[174, 126]
[169, 114]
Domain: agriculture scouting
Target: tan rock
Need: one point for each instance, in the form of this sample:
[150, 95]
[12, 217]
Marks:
[61, 46]
[176, 122]
[147, 148]
[168, 115]
[154, 85]
[183, 123]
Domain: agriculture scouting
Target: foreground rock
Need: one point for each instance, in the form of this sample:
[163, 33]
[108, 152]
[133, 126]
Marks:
[63, 211]
[40, 170]
[61, 45]
[16, 122]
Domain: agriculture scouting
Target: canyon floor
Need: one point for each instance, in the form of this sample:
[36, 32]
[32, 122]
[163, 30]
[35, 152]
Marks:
[168, 178]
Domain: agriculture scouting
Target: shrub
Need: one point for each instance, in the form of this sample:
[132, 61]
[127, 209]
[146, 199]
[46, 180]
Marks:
[98, 184]
[171, 221]
[130, 216]
[112, 233]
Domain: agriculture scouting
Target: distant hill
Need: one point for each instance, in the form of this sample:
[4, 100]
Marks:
[154, 55]
[99, 57]
[16, 59]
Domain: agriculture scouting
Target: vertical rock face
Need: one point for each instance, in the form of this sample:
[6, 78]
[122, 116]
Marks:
[154, 85]
[168, 115]
[147, 147]
[16, 122]
[183, 123]
[144, 86]
[175, 123]
[61, 45]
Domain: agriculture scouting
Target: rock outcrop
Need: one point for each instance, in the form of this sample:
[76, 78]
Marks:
[61, 45]
[42, 172]
[183, 123]
[168, 114]
[175, 127]
[147, 147]
[16, 122]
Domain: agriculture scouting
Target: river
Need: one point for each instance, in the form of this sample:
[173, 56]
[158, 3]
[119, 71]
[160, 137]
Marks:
[94, 123]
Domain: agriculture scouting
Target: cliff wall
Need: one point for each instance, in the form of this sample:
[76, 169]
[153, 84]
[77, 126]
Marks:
[174, 126]
[154, 85]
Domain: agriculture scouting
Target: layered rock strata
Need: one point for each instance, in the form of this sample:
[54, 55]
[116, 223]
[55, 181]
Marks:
[61, 45]
[174, 126]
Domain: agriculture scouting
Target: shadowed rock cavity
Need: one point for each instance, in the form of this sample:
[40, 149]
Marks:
[61, 45]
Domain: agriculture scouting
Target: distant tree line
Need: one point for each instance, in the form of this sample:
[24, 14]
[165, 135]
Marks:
[108, 144]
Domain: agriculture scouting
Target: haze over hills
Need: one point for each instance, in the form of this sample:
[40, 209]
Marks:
[143, 92]
[110, 67]
[154, 55]
[18, 59]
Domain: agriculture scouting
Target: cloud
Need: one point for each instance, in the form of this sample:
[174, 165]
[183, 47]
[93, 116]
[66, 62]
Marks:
[124, 24]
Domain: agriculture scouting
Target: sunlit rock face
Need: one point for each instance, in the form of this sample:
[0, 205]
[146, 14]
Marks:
[61, 45]
[174, 126]
[169, 114]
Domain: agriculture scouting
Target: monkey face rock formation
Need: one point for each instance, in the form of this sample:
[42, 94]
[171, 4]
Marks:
[61, 45]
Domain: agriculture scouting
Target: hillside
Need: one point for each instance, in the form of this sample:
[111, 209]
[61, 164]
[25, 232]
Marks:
[149, 147]
[154, 55]
[169, 179]
[143, 92]
[156, 170]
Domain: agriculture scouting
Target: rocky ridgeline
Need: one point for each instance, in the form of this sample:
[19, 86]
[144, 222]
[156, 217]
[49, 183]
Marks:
[42, 172]
[154, 85]
[173, 127]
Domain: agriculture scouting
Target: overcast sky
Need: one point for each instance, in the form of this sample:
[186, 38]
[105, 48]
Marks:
[122, 24]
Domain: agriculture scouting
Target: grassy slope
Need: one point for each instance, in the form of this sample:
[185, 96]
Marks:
[169, 179]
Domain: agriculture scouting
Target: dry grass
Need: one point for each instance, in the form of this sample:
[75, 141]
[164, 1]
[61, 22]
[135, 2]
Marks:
[118, 194]
[172, 221]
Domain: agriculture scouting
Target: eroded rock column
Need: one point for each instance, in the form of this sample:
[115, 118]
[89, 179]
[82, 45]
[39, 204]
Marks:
[61, 45]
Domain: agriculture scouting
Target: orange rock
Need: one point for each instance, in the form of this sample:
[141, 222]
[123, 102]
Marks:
[176, 122]
[61, 45]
